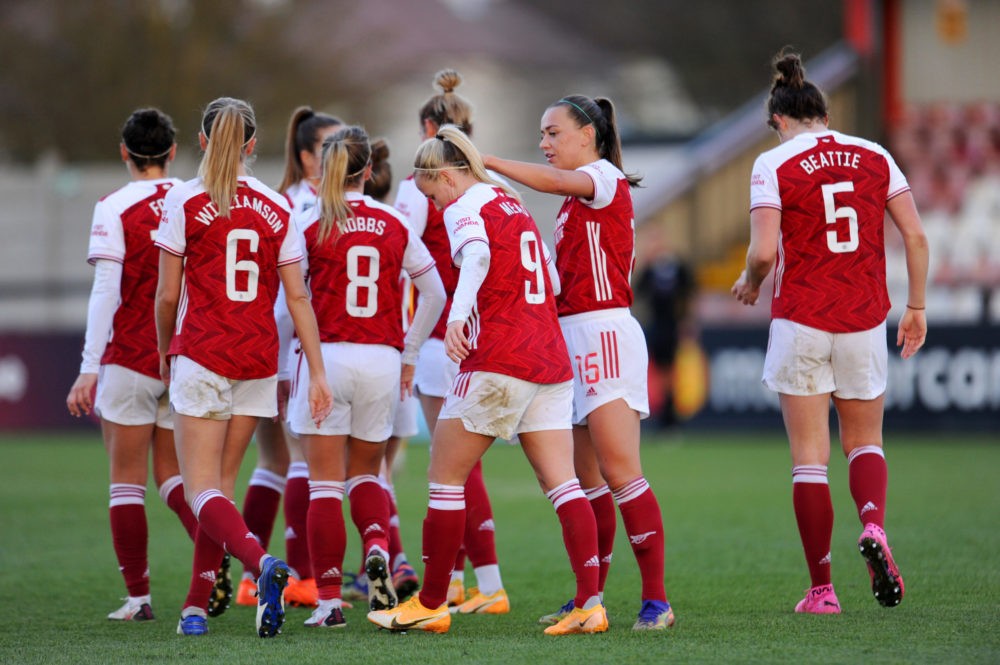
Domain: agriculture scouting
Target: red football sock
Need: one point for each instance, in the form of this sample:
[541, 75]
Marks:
[644, 526]
[868, 478]
[603, 505]
[219, 519]
[172, 493]
[443, 529]
[459, 565]
[479, 540]
[296, 509]
[327, 535]
[579, 536]
[260, 505]
[395, 538]
[207, 557]
[814, 515]
[130, 535]
[369, 511]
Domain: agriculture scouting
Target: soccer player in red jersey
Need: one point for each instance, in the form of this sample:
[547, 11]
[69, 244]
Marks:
[356, 248]
[120, 362]
[595, 254]
[817, 210]
[225, 242]
[514, 378]
[281, 463]
[404, 578]
[436, 372]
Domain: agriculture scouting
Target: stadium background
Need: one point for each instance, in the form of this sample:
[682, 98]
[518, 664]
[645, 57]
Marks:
[688, 82]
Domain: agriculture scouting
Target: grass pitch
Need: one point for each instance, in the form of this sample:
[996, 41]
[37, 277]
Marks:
[734, 566]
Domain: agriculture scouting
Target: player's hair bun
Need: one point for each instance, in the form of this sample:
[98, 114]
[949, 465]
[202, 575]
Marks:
[789, 70]
[447, 80]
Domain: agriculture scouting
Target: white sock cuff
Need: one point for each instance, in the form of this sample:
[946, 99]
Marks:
[864, 450]
[356, 481]
[168, 486]
[597, 492]
[630, 490]
[568, 491]
[326, 489]
[126, 494]
[446, 497]
[810, 473]
[298, 470]
[203, 498]
[268, 479]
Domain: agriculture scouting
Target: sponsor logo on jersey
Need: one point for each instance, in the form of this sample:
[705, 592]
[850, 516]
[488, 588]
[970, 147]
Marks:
[757, 180]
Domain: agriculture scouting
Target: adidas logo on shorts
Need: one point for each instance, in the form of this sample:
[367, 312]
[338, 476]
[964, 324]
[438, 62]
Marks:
[591, 392]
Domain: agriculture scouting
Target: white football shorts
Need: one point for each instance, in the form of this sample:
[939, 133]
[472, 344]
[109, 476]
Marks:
[607, 349]
[127, 397]
[364, 379]
[805, 361]
[404, 425]
[501, 406]
[435, 370]
[198, 391]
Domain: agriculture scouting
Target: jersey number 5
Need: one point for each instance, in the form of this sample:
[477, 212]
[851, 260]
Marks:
[252, 270]
[833, 213]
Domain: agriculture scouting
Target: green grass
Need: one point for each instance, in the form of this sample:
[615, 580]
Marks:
[734, 566]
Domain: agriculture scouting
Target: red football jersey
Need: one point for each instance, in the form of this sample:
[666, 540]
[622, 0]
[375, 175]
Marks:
[225, 319]
[428, 223]
[124, 225]
[832, 190]
[354, 277]
[513, 328]
[595, 244]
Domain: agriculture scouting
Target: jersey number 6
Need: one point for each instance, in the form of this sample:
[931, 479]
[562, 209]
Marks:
[252, 270]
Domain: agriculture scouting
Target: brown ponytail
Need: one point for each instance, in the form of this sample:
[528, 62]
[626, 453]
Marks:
[791, 94]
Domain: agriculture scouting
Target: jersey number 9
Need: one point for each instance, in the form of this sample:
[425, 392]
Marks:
[531, 259]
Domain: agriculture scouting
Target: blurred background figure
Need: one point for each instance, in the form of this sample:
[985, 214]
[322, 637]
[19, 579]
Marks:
[665, 287]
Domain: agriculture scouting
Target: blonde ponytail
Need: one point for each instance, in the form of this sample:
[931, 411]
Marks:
[346, 155]
[228, 125]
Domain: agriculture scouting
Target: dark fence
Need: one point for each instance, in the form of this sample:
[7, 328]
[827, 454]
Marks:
[953, 383]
